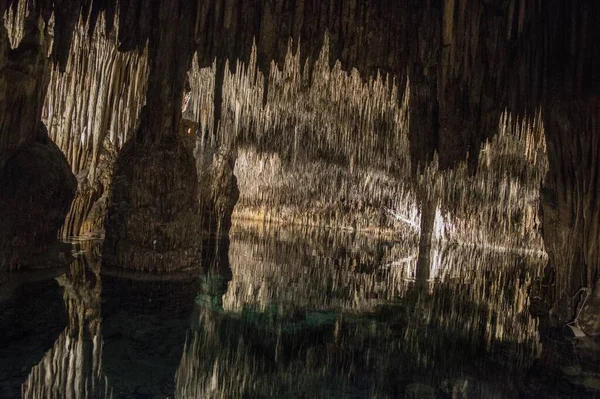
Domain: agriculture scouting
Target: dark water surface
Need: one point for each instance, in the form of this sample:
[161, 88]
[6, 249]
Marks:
[291, 314]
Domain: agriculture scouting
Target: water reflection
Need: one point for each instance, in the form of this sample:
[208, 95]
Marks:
[73, 367]
[322, 314]
[298, 313]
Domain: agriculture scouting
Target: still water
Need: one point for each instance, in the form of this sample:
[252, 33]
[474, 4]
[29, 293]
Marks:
[290, 313]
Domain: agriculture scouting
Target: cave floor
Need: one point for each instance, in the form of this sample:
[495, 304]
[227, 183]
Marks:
[290, 312]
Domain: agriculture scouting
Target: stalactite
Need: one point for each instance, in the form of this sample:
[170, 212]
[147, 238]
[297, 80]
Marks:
[14, 21]
[92, 109]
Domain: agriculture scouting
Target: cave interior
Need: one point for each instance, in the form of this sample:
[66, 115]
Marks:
[450, 146]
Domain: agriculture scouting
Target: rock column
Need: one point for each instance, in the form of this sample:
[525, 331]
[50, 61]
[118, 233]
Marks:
[571, 204]
[152, 221]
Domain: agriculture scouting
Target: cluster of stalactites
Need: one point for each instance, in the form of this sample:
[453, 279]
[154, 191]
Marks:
[97, 98]
[514, 45]
[336, 113]
[97, 92]
[499, 205]
[338, 118]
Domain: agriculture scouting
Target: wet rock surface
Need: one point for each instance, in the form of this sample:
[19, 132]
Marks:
[37, 189]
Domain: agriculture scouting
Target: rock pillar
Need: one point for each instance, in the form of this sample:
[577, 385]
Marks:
[152, 221]
[571, 203]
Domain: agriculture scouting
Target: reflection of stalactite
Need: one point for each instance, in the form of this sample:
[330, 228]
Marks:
[491, 298]
[210, 368]
[73, 367]
[278, 353]
[312, 278]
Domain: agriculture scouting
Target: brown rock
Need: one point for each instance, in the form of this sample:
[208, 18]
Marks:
[37, 188]
[152, 222]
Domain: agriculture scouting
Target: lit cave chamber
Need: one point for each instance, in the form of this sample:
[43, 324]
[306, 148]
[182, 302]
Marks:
[300, 199]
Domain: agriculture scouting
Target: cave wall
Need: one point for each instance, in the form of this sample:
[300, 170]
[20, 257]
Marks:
[571, 200]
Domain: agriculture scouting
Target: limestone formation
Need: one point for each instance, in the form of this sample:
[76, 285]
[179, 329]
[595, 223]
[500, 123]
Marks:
[92, 109]
[218, 190]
